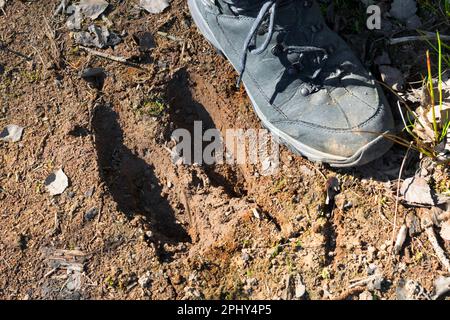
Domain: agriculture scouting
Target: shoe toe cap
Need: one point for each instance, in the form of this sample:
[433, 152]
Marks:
[345, 126]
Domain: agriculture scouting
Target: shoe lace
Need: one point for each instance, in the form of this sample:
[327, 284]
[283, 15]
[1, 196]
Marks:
[270, 8]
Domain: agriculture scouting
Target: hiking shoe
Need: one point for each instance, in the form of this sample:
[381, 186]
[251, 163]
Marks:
[305, 83]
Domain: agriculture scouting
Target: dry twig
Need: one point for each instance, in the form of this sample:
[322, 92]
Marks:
[398, 196]
[363, 282]
[112, 58]
[427, 224]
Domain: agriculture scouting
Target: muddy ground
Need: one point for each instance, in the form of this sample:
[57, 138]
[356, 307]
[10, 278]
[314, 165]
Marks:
[132, 225]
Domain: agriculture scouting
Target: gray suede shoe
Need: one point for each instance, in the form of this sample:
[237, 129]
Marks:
[306, 85]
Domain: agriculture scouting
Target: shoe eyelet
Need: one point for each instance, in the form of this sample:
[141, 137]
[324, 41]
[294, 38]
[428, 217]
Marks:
[305, 92]
[277, 50]
[307, 3]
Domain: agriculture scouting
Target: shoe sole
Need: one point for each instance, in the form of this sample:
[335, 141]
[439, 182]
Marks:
[359, 158]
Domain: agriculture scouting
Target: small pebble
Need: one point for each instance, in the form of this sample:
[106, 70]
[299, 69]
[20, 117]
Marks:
[366, 295]
[90, 214]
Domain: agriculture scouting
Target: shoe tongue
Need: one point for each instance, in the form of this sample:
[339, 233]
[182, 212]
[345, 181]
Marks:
[241, 6]
[247, 7]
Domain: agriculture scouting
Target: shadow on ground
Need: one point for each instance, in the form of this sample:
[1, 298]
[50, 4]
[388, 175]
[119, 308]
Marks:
[132, 183]
[387, 167]
[184, 111]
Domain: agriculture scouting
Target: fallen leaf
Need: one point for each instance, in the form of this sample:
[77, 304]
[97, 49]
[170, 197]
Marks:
[74, 21]
[442, 114]
[12, 133]
[56, 183]
[424, 131]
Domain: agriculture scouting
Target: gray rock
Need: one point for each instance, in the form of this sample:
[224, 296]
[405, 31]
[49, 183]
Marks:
[145, 40]
[402, 10]
[12, 133]
[366, 295]
[416, 190]
[97, 37]
[154, 6]
[56, 183]
[90, 214]
[93, 8]
[145, 279]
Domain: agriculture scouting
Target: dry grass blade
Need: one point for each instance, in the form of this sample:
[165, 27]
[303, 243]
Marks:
[112, 58]
[397, 199]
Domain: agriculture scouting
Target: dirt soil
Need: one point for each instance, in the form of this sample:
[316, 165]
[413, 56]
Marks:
[133, 225]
